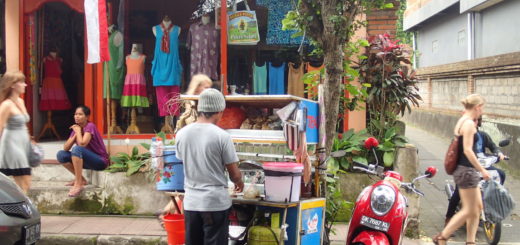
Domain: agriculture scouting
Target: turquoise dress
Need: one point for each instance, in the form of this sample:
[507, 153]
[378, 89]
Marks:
[260, 79]
[166, 67]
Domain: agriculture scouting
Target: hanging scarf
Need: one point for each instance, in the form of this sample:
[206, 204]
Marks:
[165, 42]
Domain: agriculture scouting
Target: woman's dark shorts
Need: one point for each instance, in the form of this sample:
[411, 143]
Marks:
[466, 177]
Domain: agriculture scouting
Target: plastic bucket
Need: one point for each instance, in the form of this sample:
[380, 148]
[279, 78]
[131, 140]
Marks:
[171, 178]
[169, 154]
[174, 226]
[172, 175]
[282, 181]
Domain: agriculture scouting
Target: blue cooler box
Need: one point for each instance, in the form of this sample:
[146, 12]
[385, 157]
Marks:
[172, 176]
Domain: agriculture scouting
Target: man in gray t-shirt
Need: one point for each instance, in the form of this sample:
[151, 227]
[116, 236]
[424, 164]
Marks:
[207, 152]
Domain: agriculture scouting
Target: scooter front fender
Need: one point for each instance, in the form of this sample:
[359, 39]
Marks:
[371, 238]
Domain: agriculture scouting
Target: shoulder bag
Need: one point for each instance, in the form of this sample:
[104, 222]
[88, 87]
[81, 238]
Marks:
[452, 156]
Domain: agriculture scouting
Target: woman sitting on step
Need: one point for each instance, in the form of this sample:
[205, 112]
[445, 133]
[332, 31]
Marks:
[84, 149]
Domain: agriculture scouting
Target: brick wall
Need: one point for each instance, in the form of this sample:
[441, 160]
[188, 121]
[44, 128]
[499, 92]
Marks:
[382, 21]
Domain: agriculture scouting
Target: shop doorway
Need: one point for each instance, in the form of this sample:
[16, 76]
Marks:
[56, 33]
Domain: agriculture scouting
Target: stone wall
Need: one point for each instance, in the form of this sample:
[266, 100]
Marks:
[446, 93]
[501, 93]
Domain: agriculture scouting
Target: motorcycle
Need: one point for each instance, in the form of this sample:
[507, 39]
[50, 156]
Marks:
[492, 231]
[380, 214]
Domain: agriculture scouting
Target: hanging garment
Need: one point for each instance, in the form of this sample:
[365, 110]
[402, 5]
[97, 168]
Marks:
[168, 100]
[166, 67]
[116, 68]
[276, 79]
[134, 92]
[53, 94]
[203, 44]
[259, 79]
[295, 85]
[312, 91]
[276, 13]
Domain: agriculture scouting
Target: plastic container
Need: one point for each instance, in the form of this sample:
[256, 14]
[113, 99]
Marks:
[172, 174]
[263, 235]
[174, 226]
[282, 181]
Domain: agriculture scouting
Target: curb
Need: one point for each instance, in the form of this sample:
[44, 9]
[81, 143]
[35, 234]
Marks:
[60, 239]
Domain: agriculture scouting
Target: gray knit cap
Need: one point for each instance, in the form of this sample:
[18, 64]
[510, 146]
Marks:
[211, 100]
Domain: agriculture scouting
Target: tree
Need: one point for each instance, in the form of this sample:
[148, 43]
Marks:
[330, 25]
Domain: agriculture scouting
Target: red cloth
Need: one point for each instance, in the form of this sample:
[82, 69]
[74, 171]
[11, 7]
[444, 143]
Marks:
[164, 94]
[165, 42]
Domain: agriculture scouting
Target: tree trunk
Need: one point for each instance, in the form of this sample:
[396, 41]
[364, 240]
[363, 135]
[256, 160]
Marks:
[331, 84]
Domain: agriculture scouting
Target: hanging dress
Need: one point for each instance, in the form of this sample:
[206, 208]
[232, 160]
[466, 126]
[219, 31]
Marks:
[276, 79]
[116, 67]
[14, 146]
[295, 85]
[259, 79]
[166, 69]
[53, 94]
[134, 91]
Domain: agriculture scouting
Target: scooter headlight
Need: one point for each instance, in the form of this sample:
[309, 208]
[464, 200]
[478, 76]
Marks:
[382, 199]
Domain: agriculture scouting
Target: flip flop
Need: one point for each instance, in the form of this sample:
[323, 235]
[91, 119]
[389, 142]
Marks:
[75, 192]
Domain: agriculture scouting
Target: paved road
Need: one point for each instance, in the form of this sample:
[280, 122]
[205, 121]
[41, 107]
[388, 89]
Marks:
[433, 206]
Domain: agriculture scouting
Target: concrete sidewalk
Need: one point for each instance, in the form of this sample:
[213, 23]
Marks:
[112, 230]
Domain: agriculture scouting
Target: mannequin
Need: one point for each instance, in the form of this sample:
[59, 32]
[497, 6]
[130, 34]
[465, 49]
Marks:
[53, 94]
[202, 41]
[116, 71]
[134, 91]
[166, 69]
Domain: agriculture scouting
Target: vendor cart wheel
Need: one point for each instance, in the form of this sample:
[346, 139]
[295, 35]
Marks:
[493, 232]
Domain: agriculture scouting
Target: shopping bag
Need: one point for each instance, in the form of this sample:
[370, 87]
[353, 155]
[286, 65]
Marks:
[498, 203]
[242, 26]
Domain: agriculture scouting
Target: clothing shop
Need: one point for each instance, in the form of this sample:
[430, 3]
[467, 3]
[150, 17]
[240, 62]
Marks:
[156, 46]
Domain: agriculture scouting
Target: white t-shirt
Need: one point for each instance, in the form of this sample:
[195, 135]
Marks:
[205, 150]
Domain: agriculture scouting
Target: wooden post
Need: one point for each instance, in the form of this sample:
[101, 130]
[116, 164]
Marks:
[107, 89]
[223, 46]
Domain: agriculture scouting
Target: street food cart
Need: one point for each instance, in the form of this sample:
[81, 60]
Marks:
[298, 222]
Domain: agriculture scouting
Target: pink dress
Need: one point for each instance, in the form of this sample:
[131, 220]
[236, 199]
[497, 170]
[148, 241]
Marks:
[53, 94]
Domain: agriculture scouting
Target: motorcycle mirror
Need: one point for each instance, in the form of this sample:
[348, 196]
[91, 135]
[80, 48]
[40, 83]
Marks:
[505, 142]
[371, 143]
[431, 171]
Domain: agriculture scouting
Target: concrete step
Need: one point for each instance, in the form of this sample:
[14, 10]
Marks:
[49, 171]
[51, 197]
[107, 193]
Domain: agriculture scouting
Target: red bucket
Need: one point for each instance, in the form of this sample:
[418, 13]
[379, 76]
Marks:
[174, 225]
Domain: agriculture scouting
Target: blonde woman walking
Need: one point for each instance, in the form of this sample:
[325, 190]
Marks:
[15, 142]
[466, 175]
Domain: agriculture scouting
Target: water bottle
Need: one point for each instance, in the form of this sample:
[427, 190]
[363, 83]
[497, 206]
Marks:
[159, 153]
[153, 155]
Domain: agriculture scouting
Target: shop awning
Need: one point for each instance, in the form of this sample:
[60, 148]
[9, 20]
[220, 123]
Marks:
[33, 5]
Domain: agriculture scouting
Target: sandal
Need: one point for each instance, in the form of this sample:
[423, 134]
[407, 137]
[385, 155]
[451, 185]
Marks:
[75, 192]
[72, 183]
[438, 238]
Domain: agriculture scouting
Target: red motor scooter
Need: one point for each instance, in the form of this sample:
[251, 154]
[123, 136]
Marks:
[380, 214]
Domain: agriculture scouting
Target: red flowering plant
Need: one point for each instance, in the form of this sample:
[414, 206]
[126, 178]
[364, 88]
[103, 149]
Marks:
[393, 90]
